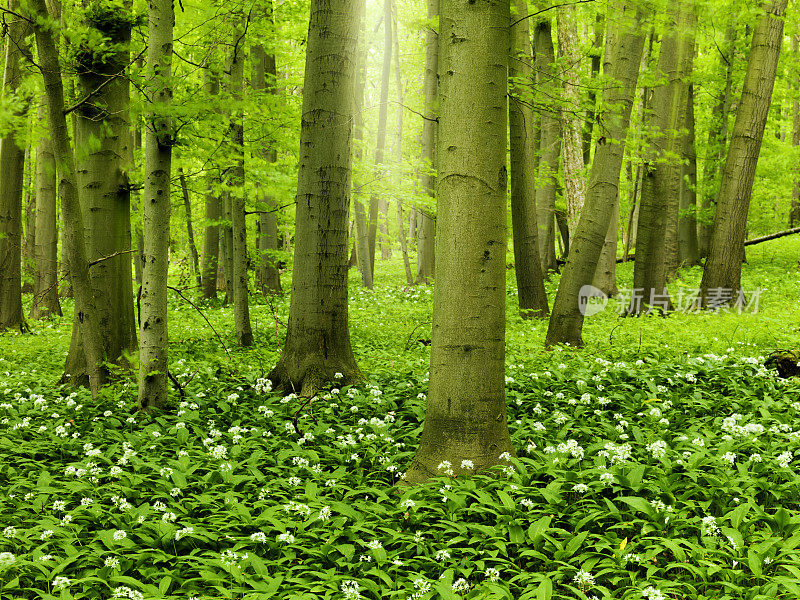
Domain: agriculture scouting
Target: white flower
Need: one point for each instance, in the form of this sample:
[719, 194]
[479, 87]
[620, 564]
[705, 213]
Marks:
[581, 488]
[60, 582]
[46, 534]
[374, 544]
[86, 501]
[446, 467]
[286, 537]
[407, 503]
[505, 456]
[651, 593]
[112, 561]
[709, 526]
[729, 457]
[10, 532]
[168, 516]
[350, 590]
[119, 534]
[658, 448]
[442, 555]
[6, 559]
[492, 574]
[699, 442]
[467, 464]
[258, 536]
[784, 459]
[460, 585]
[126, 592]
[755, 457]
[325, 513]
[583, 579]
[184, 532]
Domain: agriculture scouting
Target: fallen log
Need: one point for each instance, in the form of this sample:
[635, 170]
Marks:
[772, 236]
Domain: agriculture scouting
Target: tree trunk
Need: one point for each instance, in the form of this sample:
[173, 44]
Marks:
[159, 139]
[622, 57]
[688, 250]
[241, 301]
[794, 211]
[715, 149]
[135, 207]
[605, 276]
[548, 86]
[74, 243]
[426, 225]
[210, 261]
[317, 339]
[29, 201]
[591, 114]
[362, 226]
[377, 206]
[264, 78]
[12, 165]
[465, 419]
[187, 205]
[45, 288]
[401, 234]
[571, 121]
[103, 151]
[723, 270]
[656, 231]
[528, 267]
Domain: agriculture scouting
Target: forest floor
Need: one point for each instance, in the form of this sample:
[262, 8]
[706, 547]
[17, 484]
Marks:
[657, 462]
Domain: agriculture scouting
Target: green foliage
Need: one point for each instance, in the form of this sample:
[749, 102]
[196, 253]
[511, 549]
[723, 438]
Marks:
[660, 460]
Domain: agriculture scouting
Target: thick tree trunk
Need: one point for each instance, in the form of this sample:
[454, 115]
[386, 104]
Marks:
[317, 339]
[571, 121]
[622, 58]
[45, 287]
[688, 249]
[264, 78]
[12, 165]
[159, 139]
[528, 267]
[465, 419]
[426, 225]
[377, 205]
[210, 260]
[187, 206]
[723, 270]
[548, 86]
[715, 149]
[103, 150]
[656, 231]
[241, 301]
[74, 243]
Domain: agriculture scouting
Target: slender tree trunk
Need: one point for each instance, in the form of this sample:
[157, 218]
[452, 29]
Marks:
[75, 245]
[264, 78]
[376, 203]
[29, 201]
[465, 417]
[317, 339]
[723, 270]
[591, 114]
[135, 207]
[688, 249]
[401, 234]
[241, 302]
[605, 276]
[45, 288]
[103, 150]
[794, 212]
[550, 143]
[656, 232]
[12, 165]
[159, 139]
[622, 57]
[210, 260]
[187, 205]
[362, 226]
[528, 267]
[571, 121]
[715, 149]
[426, 226]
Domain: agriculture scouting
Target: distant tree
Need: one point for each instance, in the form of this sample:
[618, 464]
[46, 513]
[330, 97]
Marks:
[723, 269]
[210, 260]
[528, 267]
[12, 165]
[623, 55]
[318, 339]
[426, 226]
[465, 418]
[159, 139]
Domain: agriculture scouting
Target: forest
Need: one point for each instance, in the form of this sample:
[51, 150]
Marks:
[384, 299]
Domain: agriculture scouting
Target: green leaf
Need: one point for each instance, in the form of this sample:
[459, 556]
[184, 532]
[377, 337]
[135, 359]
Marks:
[638, 503]
[537, 530]
[506, 500]
[545, 589]
[755, 562]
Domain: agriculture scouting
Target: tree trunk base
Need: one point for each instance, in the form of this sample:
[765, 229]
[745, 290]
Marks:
[307, 375]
